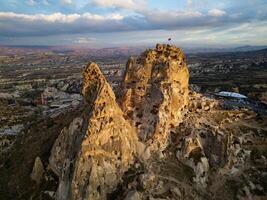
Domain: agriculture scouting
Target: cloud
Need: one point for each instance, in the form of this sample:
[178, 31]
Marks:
[216, 12]
[177, 20]
[56, 17]
[46, 3]
[189, 3]
[120, 21]
[13, 24]
[66, 2]
[85, 40]
[34, 2]
[126, 4]
[79, 21]
[30, 2]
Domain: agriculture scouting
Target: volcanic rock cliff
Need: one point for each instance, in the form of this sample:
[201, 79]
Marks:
[155, 93]
[157, 140]
[91, 155]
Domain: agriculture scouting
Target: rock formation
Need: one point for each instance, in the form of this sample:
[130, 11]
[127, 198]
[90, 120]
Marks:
[37, 171]
[91, 155]
[155, 93]
[160, 141]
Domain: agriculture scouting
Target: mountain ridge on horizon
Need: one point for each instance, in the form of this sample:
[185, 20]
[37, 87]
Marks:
[243, 48]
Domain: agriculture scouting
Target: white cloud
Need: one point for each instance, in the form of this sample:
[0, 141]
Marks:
[49, 25]
[66, 2]
[16, 24]
[20, 25]
[174, 18]
[45, 2]
[57, 17]
[140, 16]
[34, 2]
[31, 2]
[85, 40]
[216, 12]
[189, 2]
[127, 4]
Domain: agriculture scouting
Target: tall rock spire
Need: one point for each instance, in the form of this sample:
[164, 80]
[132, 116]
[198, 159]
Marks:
[155, 92]
[91, 155]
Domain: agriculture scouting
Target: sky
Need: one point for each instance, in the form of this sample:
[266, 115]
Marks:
[107, 23]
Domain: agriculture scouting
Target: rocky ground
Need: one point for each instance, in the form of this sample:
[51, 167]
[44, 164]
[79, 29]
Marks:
[155, 140]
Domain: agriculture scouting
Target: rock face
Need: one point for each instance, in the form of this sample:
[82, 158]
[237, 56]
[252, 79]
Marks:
[37, 171]
[63, 156]
[155, 93]
[91, 155]
[159, 141]
[192, 155]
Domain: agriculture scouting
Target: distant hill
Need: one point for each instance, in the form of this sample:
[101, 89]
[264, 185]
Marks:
[249, 48]
[112, 51]
[65, 50]
[246, 48]
[262, 51]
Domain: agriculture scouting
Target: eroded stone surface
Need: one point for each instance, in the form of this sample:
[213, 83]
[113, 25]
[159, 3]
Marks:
[155, 93]
[202, 149]
[37, 171]
[91, 155]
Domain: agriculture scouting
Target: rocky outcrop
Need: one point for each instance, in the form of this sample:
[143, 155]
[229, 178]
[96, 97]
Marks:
[63, 156]
[91, 155]
[155, 93]
[192, 154]
[37, 171]
[159, 141]
[209, 138]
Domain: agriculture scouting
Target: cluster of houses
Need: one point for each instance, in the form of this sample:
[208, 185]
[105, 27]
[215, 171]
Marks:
[56, 102]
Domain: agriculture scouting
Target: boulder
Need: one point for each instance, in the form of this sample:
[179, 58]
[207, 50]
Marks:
[133, 195]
